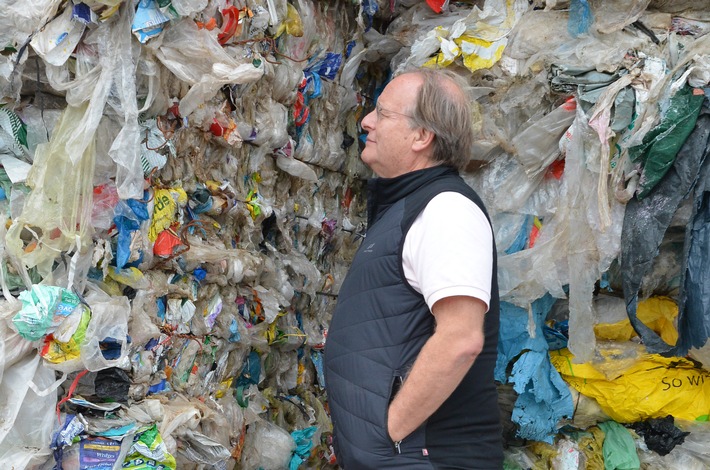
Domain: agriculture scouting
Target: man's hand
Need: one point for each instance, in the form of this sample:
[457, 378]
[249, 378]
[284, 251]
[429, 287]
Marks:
[441, 365]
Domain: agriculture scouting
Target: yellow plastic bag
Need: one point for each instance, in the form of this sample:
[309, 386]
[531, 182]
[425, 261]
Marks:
[657, 313]
[652, 386]
[480, 38]
[167, 202]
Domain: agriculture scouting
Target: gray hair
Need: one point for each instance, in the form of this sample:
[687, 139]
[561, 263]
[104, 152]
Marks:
[443, 107]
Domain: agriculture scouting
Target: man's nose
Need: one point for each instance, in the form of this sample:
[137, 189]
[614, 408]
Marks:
[368, 122]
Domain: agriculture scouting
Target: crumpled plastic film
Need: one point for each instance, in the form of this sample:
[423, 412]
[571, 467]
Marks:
[544, 401]
[649, 387]
[57, 212]
[196, 57]
[643, 235]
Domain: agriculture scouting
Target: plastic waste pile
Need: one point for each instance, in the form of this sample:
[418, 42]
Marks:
[592, 134]
[181, 195]
[180, 200]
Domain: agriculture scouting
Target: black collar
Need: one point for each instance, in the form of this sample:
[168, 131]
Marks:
[383, 192]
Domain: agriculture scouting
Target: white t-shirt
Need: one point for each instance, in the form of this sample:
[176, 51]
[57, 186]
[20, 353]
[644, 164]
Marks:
[448, 250]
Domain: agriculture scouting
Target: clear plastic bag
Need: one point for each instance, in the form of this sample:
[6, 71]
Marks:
[27, 401]
[188, 7]
[109, 321]
[538, 144]
[58, 210]
[56, 41]
[195, 57]
[267, 447]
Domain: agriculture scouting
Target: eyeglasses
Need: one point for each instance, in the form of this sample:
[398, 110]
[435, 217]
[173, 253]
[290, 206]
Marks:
[383, 112]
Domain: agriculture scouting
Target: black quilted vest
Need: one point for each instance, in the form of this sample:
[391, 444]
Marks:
[378, 328]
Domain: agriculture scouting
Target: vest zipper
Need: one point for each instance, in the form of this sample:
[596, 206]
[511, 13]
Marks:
[396, 447]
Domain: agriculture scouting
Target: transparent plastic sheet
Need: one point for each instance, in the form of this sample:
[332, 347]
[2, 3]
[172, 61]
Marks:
[93, 82]
[109, 320]
[17, 23]
[125, 150]
[569, 456]
[691, 455]
[593, 242]
[507, 229]
[27, 415]
[538, 144]
[507, 185]
[271, 120]
[39, 125]
[13, 347]
[60, 200]
[286, 77]
[55, 42]
[619, 14]
[198, 448]
[574, 246]
[238, 265]
[195, 57]
[529, 274]
[299, 47]
[188, 7]
[545, 39]
[267, 447]
[5, 283]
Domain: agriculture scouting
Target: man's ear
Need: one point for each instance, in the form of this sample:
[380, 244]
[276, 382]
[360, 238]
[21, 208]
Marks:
[423, 138]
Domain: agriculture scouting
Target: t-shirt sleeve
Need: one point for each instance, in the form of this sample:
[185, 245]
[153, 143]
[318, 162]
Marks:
[448, 250]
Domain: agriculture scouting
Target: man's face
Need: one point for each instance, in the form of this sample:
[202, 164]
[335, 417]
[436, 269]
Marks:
[388, 149]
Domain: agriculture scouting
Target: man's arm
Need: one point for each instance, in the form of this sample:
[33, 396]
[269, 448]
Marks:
[441, 364]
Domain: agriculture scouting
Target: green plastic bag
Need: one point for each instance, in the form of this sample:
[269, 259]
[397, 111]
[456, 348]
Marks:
[619, 448]
[43, 309]
[660, 146]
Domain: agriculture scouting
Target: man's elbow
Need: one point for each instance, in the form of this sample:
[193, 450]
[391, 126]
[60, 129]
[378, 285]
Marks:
[468, 349]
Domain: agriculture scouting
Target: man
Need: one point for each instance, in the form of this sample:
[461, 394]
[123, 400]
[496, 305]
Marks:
[412, 345]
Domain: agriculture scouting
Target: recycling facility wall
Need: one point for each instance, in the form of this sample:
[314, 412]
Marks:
[181, 195]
